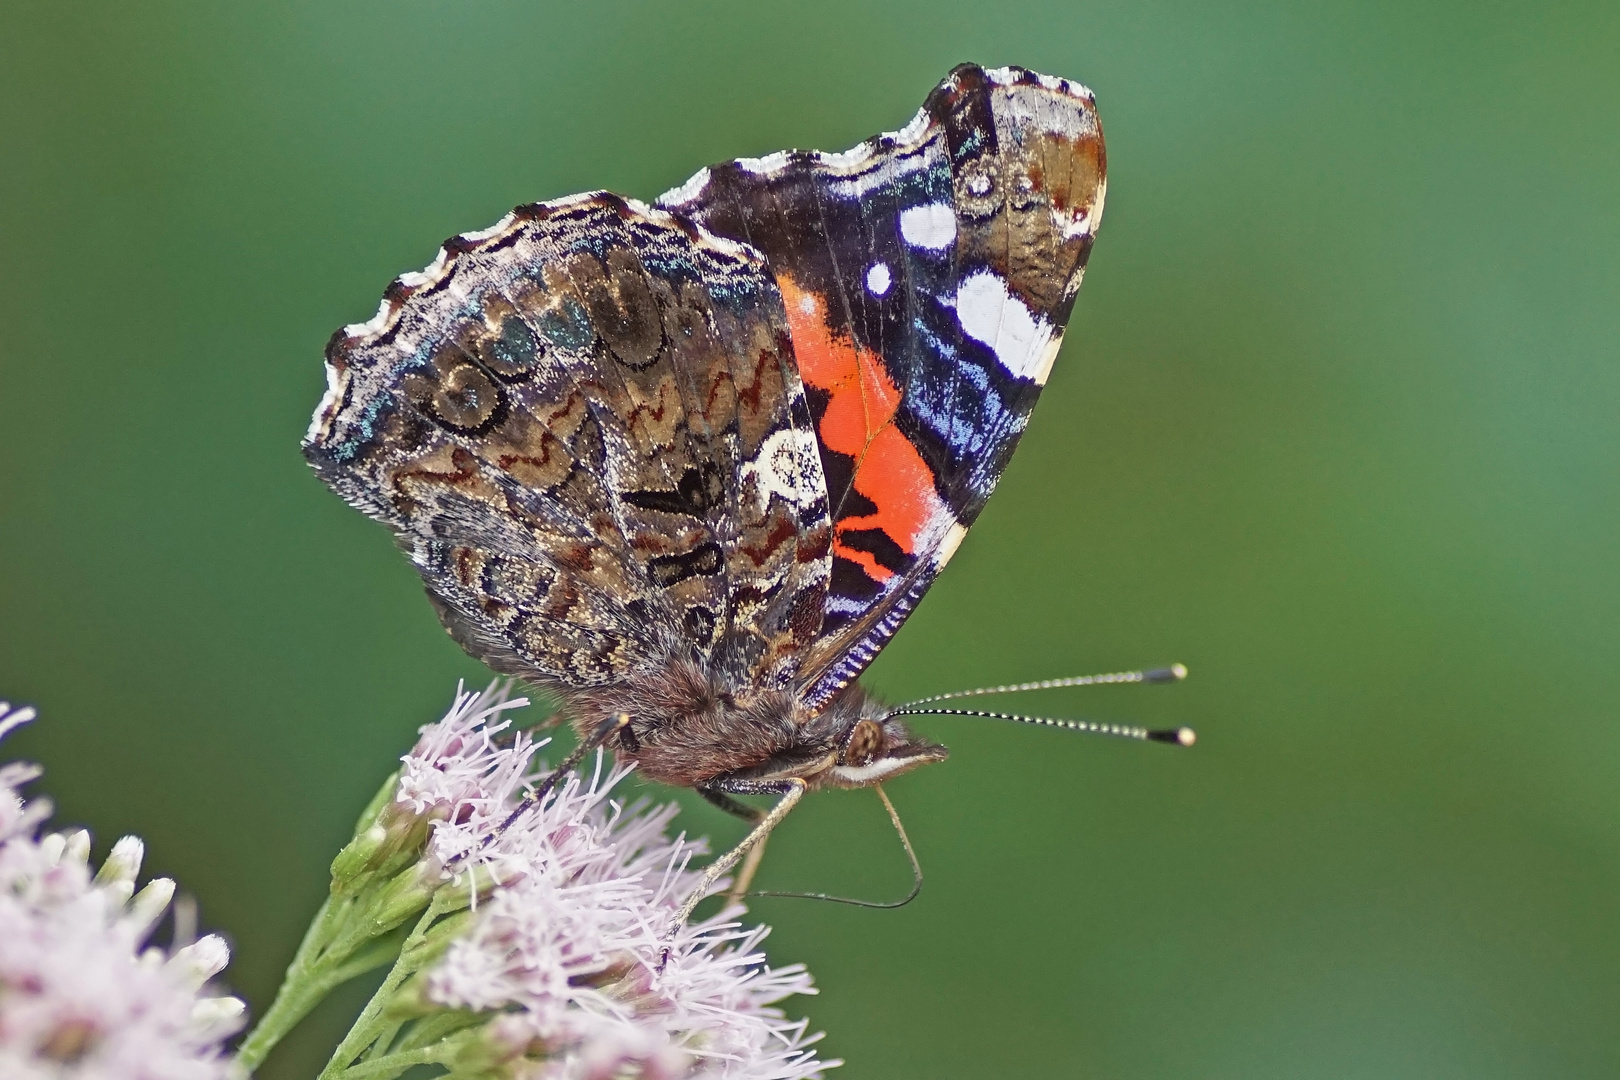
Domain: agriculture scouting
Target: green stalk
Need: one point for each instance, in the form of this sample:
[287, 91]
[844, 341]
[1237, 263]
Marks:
[375, 889]
[391, 1065]
[373, 1022]
[301, 990]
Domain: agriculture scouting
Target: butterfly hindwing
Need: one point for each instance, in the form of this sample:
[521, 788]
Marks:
[586, 427]
[927, 276]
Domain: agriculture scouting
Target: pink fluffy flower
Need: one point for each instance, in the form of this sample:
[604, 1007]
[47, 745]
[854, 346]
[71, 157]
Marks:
[568, 953]
[82, 995]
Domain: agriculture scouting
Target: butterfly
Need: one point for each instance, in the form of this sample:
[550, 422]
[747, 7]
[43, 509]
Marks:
[690, 466]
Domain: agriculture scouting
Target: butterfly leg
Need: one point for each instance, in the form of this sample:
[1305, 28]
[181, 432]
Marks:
[605, 731]
[790, 791]
[745, 875]
[716, 797]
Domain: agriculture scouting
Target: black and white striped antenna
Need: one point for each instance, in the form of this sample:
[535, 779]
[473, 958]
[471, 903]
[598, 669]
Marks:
[1180, 736]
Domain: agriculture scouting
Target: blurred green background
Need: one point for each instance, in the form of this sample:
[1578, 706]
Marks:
[1335, 426]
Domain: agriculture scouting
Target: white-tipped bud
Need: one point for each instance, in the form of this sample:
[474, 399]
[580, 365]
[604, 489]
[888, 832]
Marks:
[123, 861]
[215, 1018]
[201, 960]
[86, 995]
[14, 718]
[77, 848]
[51, 846]
[149, 905]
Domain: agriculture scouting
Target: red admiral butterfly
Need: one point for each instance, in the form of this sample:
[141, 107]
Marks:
[691, 466]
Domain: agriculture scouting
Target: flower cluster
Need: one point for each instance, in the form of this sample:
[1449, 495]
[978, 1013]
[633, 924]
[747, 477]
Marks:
[573, 947]
[82, 994]
[552, 956]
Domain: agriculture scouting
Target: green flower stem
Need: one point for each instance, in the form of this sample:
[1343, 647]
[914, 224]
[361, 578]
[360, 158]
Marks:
[436, 1028]
[299, 993]
[391, 1065]
[376, 888]
[370, 960]
[374, 1020]
[379, 886]
[314, 973]
[385, 1040]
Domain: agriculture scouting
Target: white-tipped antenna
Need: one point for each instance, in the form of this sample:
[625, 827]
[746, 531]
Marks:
[1180, 736]
[1173, 673]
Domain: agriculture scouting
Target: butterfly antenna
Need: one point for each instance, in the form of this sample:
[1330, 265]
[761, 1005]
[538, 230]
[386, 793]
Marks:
[905, 842]
[1180, 736]
[1173, 673]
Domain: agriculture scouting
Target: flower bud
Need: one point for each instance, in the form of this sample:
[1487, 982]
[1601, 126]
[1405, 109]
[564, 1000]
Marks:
[149, 905]
[201, 960]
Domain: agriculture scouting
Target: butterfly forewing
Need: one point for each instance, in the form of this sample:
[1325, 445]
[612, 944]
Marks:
[927, 277]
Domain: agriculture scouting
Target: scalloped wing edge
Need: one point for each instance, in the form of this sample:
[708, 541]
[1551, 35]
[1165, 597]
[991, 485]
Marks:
[908, 138]
[402, 288]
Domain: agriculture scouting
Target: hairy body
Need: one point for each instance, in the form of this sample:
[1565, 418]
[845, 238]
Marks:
[695, 728]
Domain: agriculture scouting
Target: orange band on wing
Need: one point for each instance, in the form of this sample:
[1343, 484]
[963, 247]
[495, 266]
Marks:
[859, 423]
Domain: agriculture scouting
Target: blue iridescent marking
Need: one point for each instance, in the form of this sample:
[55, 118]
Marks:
[964, 422]
[596, 241]
[926, 185]
[569, 327]
[971, 144]
[670, 265]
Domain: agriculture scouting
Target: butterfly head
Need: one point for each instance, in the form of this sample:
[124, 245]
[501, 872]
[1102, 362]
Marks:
[877, 747]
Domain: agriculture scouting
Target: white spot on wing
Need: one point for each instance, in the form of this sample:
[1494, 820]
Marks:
[415, 279]
[1048, 356]
[878, 279]
[375, 324]
[493, 231]
[579, 199]
[847, 159]
[931, 226]
[788, 466]
[1079, 224]
[1008, 76]
[882, 171]
[650, 212]
[990, 314]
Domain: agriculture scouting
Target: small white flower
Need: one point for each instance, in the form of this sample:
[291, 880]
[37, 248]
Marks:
[16, 816]
[82, 997]
[460, 775]
[569, 952]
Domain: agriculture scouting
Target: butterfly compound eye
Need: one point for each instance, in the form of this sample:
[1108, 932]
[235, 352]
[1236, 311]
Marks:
[864, 741]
